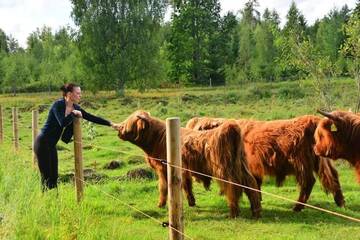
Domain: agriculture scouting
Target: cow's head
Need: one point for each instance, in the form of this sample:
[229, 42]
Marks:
[333, 135]
[133, 128]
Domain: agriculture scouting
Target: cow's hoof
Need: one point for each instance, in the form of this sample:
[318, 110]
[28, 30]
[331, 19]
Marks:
[191, 202]
[339, 200]
[256, 214]
[298, 208]
[234, 213]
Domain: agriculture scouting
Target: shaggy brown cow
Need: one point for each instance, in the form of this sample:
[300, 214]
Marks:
[338, 136]
[217, 152]
[280, 148]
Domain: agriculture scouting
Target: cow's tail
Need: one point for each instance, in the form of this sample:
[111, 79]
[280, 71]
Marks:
[242, 170]
[329, 179]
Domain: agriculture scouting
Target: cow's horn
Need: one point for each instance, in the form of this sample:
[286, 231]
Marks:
[326, 114]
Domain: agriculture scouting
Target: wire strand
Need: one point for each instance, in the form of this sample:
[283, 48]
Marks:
[135, 209]
[164, 161]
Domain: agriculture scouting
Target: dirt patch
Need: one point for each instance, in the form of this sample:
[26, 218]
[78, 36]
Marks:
[114, 165]
[135, 160]
[90, 175]
[140, 173]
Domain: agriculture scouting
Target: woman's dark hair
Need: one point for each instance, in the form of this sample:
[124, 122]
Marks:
[68, 87]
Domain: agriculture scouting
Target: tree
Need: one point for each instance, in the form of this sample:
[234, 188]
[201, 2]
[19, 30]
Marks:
[329, 36]
[295, 25]
[265, 52]
[223, 49]
[118, 39]
[17, 74]
[249, 20]
[13, 45]
[294, 31]
[351, 48]
[3, 52]
[3, 42]
[194, 41]
[309, 60]
[35, 50]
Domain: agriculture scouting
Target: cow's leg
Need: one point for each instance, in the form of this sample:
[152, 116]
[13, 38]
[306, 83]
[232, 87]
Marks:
[232, 194]
[357, 170]
[259, 181]
[306, 184]
[329, 179]
[162, 187]
[187, 186]
[253, 179]
[254, 196]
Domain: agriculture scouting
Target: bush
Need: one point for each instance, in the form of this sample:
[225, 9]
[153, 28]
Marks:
[290, 93]
[258, 93]
[35, 87]
[232, 97]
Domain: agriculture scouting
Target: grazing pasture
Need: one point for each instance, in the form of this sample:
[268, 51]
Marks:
[107, 211]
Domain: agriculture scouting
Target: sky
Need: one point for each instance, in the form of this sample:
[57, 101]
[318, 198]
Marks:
[19, 18]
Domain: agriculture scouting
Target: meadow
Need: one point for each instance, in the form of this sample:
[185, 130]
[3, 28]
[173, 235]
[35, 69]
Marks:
[110, 195]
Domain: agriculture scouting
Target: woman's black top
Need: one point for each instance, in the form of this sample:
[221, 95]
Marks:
[58, 126]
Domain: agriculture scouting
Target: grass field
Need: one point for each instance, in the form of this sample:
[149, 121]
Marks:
[27, 213]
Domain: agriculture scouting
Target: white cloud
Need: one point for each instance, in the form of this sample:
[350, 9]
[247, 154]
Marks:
[21, 17]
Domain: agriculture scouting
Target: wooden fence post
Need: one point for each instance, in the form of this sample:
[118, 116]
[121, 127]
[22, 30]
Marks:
[35, 114]
[1, 125]
[79, 173]
[15, 128]
[174, 178]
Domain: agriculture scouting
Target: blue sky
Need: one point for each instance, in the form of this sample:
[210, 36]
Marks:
[21, 17]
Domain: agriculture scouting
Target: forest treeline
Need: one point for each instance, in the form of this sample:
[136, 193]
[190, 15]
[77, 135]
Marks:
[120, 44]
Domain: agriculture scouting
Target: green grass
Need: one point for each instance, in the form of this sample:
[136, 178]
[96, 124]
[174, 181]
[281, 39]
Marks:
[27, 213]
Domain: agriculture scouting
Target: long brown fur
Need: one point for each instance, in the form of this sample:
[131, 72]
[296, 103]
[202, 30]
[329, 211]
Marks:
[281, 148]
[218, 152]
[338, 136]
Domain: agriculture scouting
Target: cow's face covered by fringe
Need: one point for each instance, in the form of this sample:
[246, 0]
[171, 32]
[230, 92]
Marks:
[133, 128]
[337, 135]
[327, 142]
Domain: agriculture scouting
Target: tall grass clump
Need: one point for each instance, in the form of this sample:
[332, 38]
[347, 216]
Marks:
[27, 212]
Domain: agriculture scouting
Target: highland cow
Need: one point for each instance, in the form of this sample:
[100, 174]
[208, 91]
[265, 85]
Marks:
[218, 152]
[281, 148]
[338, 136]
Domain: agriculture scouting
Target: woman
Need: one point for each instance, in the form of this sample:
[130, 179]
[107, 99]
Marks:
[59, 125]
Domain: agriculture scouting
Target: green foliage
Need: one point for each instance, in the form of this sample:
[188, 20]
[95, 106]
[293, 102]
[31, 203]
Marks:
[290, 93]
[199, 41]
[294, 32]
[351, 48]
[126, 50]
[265, 53]
[329, 36]
[259, 93]
[17, 74]
[306, 58]
[123, 43]
[3, 42]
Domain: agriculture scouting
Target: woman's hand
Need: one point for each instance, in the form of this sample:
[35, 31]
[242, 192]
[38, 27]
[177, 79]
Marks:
[77, 113]
[115, 126]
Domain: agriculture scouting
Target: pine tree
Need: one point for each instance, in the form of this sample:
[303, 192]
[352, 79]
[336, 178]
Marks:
[193, 41]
